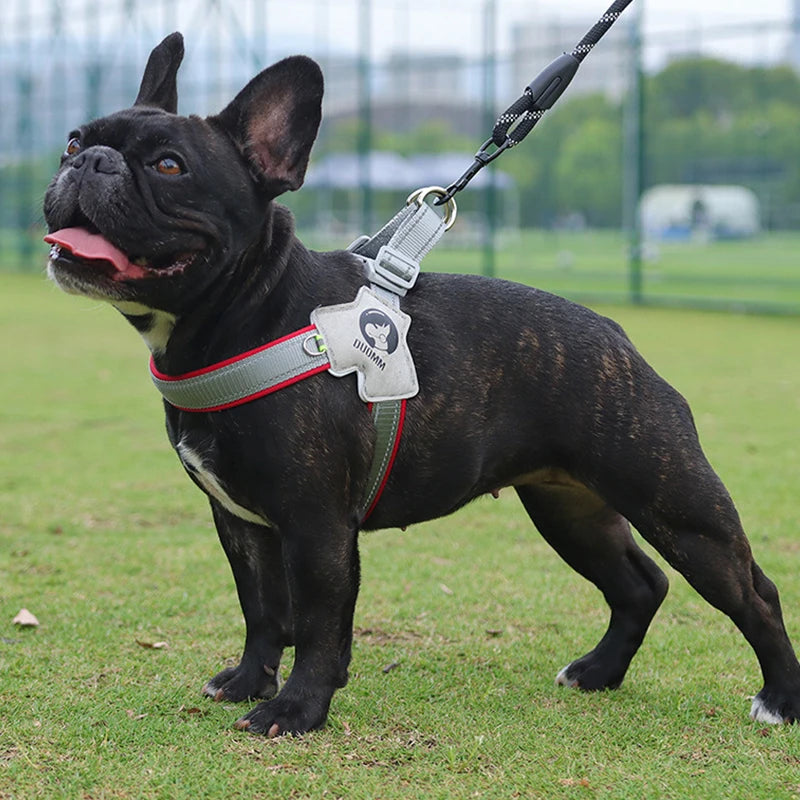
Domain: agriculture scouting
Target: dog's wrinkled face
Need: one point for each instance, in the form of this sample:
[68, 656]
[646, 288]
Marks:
[147, 203]
[123, 209]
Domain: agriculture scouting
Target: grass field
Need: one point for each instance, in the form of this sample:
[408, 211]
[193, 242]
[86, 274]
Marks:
[762, 273]
[461, 625]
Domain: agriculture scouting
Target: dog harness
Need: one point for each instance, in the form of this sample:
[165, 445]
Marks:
[366, 336]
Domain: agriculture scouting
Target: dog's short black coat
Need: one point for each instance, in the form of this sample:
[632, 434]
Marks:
[517, 388]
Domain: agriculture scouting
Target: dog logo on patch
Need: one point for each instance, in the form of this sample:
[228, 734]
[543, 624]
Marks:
[378, 331]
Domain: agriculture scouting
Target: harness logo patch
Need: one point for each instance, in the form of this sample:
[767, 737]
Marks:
[378, 330]
[369, 338]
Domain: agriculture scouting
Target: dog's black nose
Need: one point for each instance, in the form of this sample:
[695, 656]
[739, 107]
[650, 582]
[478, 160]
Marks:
[98, 159]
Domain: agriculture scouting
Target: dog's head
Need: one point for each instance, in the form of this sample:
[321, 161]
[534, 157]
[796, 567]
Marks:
[150, 207]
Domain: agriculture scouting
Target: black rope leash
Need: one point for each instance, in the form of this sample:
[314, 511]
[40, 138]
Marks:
[519, 119]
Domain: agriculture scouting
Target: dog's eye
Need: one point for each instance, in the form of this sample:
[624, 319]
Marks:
[168, 166]
[73, 146]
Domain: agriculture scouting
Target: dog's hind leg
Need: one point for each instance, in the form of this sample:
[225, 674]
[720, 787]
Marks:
[597, 542]
[693, 523]
[255, 556]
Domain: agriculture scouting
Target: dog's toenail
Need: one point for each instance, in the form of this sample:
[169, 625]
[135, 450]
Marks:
[219, 696]
[241, 724]
[273, 731]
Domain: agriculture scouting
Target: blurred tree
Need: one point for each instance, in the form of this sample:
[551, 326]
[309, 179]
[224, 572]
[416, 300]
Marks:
[535, 163]
[589, 172]
[713, 121]
[695, 85]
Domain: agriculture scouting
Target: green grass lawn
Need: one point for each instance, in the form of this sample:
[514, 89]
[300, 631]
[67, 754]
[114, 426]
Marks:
[461, 626]
[761, 274]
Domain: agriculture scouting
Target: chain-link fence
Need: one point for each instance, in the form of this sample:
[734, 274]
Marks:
[668, 172]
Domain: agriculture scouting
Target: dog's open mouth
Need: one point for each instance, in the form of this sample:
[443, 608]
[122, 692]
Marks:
[81, 246]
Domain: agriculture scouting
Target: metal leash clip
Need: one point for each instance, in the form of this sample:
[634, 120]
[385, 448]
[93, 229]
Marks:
[482, 158]
[451, 210]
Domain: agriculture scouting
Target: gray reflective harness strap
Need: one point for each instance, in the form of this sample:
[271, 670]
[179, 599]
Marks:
[245, 377]
[388, 417]
[392, 255]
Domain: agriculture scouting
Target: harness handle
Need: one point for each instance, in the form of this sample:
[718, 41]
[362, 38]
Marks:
[519, 119]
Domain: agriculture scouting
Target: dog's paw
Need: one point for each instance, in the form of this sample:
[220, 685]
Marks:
[563, 678]
[283, 716]
[775, 708]
[244, 682]
[591, 674]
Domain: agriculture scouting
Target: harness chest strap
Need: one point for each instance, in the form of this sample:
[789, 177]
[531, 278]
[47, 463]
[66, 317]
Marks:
[247, 376]
[272, 367]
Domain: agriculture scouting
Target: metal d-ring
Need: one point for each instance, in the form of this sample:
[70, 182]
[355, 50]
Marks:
[318, 343]
[451, 210]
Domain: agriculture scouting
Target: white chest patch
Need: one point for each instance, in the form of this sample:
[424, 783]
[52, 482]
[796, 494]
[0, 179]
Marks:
[161, 325]
[193, 462]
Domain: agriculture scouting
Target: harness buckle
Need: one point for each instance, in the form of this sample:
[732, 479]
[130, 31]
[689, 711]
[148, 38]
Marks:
[393, 270]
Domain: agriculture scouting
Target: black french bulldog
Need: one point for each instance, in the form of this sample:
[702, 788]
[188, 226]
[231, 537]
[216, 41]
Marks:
[176, 228]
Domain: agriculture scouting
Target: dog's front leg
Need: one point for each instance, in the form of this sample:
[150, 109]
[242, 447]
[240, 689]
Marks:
[322, 568]
[254, 553]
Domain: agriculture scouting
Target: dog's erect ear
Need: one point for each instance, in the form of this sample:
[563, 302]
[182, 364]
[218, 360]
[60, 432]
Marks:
[159, 87]
[274, 121]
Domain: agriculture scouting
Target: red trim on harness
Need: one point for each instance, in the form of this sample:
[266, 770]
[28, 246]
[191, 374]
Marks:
[232, 360]
[263, 393]
[388, 472]
[228, 361]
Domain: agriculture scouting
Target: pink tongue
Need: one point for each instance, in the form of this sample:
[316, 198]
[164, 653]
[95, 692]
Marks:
[93, 247]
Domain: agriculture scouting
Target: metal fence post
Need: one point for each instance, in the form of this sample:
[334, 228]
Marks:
[365, 113]
[634, 159]
[26, 199]
[489, 114]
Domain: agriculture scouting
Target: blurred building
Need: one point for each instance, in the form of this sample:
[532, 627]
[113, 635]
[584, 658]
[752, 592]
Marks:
[407, 90]
[794, 41]
[699, 212]
[542, 37]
